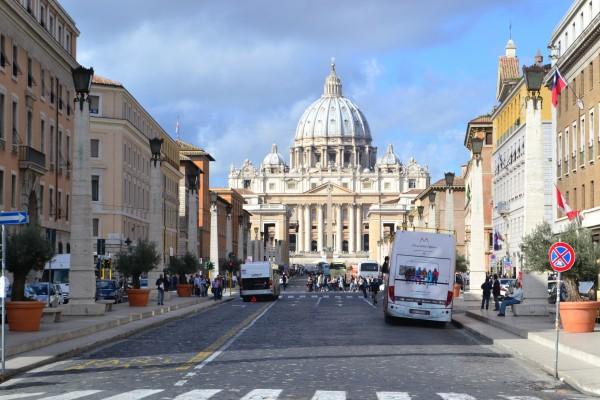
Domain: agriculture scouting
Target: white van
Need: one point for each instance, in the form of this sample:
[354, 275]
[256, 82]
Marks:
[368, 269]
[259, 279]
[57, 271]
[421, 278]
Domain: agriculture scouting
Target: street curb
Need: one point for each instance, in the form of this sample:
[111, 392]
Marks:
[83, 349]
[473, 332]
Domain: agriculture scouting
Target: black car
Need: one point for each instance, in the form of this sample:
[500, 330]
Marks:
[108, 290]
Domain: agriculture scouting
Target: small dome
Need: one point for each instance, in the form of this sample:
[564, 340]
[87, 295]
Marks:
[389, 158]
[274, 158]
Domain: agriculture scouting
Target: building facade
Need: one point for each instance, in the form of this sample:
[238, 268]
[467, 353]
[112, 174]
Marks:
[38, 42]
[335, 197]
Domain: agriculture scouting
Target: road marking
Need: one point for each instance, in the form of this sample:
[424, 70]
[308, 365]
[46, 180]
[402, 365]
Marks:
[72, 395]
[253, 318]
[314, 296]
[135, 394]
[19, 396]
[329, 395]
[318, 301]
[262, 394]
[456, 396]
[199, 394]
[520, 397]
[190, 374]
[338, 297]
[326, 296]
[369, 303]
[393, 396]
[181, 382]
[206, 353]
[12, 382]
[239, 305]
[290, 296]
[302, 296]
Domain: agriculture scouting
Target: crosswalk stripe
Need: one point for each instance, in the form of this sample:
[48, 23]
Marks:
[456, 396]
[393, 396]
[329, 395]
[520, 397]
[135, 394]
[73, 395]
[262, 394]
[290, 297]
[19, 396]
[199, 394]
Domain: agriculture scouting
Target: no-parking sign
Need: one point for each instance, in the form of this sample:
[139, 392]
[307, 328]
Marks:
[561, 256]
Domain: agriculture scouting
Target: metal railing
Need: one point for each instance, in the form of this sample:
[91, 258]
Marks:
[30, 155]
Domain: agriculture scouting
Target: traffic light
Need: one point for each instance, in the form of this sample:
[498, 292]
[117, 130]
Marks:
[100, 247]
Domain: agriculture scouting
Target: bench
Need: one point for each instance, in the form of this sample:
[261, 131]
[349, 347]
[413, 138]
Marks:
[52, 313]
[107, 303]
[525, 308]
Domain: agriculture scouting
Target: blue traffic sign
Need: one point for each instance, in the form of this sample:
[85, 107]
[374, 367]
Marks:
[14, 218]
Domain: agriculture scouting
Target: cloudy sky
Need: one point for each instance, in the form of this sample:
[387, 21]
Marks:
[240, 73]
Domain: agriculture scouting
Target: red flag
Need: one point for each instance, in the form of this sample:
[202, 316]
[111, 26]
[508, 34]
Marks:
[564, 207]
[558, 84]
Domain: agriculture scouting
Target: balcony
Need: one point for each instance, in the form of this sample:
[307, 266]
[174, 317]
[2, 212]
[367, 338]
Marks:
[502, 208]
[30, 158]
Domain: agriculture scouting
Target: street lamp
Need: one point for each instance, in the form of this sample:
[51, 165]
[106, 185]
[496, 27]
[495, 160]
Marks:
[411, 218]
[449, 176]
[213, 197]
[432, 197]
[82, 80]
[155, 146]
[476, 146]
[534, 75]
[192, 182]
[128, 242]
[420, 210]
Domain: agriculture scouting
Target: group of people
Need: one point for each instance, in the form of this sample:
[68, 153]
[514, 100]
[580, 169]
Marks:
[323, 283]
[491, 287]
[200, 284]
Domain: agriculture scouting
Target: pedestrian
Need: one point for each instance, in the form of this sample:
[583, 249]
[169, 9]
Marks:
[487, 291]
[341, 283]
[362, 284]
[515, 298]
[385, 267]
[160, 285]
[496, 292]
[374, 289]
[197, 285]
[284, 279]
[215, 288]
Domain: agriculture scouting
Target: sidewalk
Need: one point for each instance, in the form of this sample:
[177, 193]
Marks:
[532, 338]
[74, 335]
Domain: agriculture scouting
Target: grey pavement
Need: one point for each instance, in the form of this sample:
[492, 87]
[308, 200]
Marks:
[331, 346]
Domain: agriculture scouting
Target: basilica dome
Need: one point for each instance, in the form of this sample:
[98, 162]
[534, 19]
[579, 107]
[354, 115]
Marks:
[274, 158]
[332, 115]
[389, 158]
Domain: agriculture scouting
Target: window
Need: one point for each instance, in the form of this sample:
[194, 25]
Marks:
[94, 104]
[2, 119]
[68, 103]
[51, 90]
[591, 74]
[59, 205]
[412, 183]
[43, 136]
[51, 145]
[42, 16]
[488, 138]
[68, 157]
[67, 207]
[271, 186]
[29, 73]
[51, 23]
[95, 188]
[387, 186]
[51, 201]
[43, 82]
[41, 199]
[59, 93]
[366, 185]
[246, 183]
[95, 148]
[29, 128]
[15, 118]
[13, 190]
[2, 51]
[95, 226]
[291, 185]
[582, 140]
[591, 194]
[575, 198]
[15, 61]
[583, 197]
[1, 188]
[591, 134]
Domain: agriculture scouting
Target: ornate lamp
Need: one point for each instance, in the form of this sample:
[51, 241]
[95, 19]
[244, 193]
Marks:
[420, 211]
[82, 80]
[155, 146]
[213, 197]
[432, 197]
[449, 176]
[476, 146]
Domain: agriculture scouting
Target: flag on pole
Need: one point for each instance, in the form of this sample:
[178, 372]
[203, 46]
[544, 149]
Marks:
[558, 84]
[177, 128]
[564, 207]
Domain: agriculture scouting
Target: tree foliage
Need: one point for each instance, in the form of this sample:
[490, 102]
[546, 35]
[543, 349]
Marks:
[535, 248]
[462, 264]
[186, 264]
[142, 258]
[26, 250]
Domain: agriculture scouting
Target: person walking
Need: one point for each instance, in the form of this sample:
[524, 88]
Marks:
[160, 286]
[374, 289]
[362, 283]
[487, 291]
[496, 292]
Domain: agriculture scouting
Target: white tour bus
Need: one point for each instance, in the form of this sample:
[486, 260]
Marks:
[367, 269]
[259, 279]
[421, 278]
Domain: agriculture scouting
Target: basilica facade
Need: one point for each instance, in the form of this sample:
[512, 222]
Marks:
[335, 199]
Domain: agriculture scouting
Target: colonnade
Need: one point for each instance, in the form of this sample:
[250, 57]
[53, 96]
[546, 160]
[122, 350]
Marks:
[353, 234]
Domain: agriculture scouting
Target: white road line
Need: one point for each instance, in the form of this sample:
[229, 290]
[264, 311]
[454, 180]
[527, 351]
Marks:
[233, 339]
[314, 296]
[329, 395]
[181, 382]
[19, 396]
[338, 297]
[12, 382]
[520, 397]
[47, 367]
[290, 296]
[200, 394]
[190, 374]
[318, 301]
[325, 296]
[73, 395]
[135, 394]
[393, 396]
[369, 303]
[262, 394]
[456, 396]
[302, 296]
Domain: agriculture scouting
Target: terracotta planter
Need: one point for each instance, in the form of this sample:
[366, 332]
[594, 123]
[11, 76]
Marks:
[456, 293]
[184, 290]
[24, 316]
[579, 316]
[138, 297]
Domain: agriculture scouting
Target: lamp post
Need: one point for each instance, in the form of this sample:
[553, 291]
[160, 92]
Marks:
[449, 177]
[192, 220]
[82, 274]
[411, 219]
[477, 260]
[432, 223]
[214, 232]
[156, 227]
[420, 209]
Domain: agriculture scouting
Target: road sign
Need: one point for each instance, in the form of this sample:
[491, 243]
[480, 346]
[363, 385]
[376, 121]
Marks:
[561, 256]
[14, 218]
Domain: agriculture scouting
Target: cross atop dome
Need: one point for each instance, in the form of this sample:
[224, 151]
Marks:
[333, 84]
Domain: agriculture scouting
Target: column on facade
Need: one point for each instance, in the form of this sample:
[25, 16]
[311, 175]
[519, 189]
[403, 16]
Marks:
[338, 228]
[193, 223]
[449, 214]
[307, 227]
[228, 236]
[320, 227]
[340, 157]
[431, 221]
[477, 263]
[240, 241]
[300, 233]
[324, 160]
[214, 238]
[351, 228]
[354, 160]
[359, 236]
[156, 227]
[368, 155]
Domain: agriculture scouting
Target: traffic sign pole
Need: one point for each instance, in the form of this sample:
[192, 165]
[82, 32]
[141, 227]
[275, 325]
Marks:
[557, 326]
[3, 298]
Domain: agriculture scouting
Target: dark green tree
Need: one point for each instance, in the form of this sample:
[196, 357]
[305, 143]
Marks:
[462, 264]
[26, 250]
[186, 264]
[141, 259]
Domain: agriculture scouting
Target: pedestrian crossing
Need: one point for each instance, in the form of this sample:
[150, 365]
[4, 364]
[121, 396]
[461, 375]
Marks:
[325, 295]
[254, 394]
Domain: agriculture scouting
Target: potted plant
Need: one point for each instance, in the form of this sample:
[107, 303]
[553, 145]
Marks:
[180, 266]
[577, 314]
[26, 251]
[141, 259]
[208, 267]
[462, 265]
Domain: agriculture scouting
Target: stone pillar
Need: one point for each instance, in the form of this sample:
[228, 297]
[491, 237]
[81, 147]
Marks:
[432, 221]
[477, 262]
[320, 228]
[339, 225]
[82, 271]
[449, 209]
[359, 236]
[300, 235]
[214, 238]
[307, 227]
[340, 157]
[193, 223]
[228, 236]
[351, 228]
[156, 228]
[240, 242]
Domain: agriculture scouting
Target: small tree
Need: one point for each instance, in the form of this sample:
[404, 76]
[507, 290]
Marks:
[462, 264]
[535, 248]
[143, 258]
[186, 264]
[26, 251]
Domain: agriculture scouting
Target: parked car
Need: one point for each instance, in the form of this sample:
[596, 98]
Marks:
[109, 290]
[506, 286]
[29, 293]
[47, 293]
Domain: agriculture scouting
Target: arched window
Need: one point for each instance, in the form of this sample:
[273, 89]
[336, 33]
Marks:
[344, 246]
[68, 248]
[313, 245]
[60, 248]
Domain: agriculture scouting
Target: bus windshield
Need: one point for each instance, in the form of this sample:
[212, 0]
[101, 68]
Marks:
[337, 266]
[369, 267]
